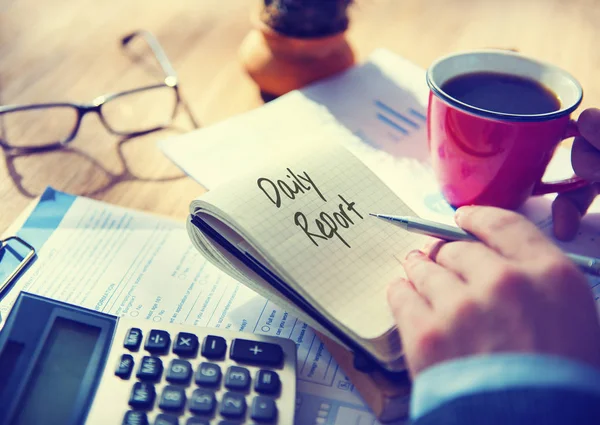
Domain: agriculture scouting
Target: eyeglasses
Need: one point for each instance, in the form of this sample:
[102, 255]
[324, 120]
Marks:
[127, 113]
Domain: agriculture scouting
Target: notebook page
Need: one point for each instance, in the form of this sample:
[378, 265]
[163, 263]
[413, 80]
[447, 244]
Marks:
[307, 212]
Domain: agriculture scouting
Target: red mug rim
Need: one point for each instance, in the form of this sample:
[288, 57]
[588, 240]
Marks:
[546, 67]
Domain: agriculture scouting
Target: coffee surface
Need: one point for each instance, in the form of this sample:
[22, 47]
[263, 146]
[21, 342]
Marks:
[502, 93]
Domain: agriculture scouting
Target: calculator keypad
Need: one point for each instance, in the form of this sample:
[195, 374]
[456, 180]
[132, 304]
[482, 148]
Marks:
[142, 395]
[150, 369]
[186, 344]
[179, 371]
[158, 342]
[255, 352]
[203, 401]
[187, 379]
[172, 398]
[133, 339]
[214, 347]
[208, 374]
[124, 366]
[237, 378]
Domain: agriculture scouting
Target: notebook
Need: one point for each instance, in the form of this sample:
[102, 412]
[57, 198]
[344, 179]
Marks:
[297, 230]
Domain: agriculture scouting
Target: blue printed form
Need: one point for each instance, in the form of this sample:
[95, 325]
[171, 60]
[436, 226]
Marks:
[128, 263]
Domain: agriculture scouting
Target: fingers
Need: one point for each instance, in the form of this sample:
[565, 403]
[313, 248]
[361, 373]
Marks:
[432, 281]
[472, 261]
[588, 124]
[568, 208]
[507, 232]
[585, 159]
[411, 312]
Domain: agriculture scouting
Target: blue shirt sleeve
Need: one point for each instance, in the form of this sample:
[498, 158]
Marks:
[465, 376]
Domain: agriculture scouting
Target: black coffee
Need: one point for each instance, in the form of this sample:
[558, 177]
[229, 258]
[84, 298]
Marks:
[503, 93]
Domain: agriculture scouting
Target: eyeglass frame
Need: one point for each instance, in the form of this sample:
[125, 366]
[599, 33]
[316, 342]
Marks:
[170, 81]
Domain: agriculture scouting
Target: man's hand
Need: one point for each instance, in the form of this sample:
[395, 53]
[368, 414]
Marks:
[513, 292]
[569, 207]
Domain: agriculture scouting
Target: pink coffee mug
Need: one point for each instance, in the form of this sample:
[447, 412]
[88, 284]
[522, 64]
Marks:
[485, 157]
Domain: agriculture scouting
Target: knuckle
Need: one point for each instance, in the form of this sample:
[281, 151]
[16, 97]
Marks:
[509, 282]
[429, 340]
[560, 272]
[466, 310]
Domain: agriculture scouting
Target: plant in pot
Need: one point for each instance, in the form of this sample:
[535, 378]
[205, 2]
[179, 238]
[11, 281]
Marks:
[296, 42]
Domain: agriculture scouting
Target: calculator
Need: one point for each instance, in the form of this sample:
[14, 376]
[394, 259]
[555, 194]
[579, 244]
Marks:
[64, 364]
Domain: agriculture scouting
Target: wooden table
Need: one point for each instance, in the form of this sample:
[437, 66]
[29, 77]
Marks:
[57, 50]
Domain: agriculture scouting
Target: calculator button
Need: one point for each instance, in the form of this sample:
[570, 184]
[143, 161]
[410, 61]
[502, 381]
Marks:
[135, 418]
[267, 382]
[202, 402]
[150, 369]
[164, 419]
[172, 398]
[197, 421]
[229, 423]
[247, 351]
[237, 378]
[263, 409]
[125, 366]
[142, 395]
[133, 339]
[233, 405]
[179, 371]
[208, 374]
[158, 341]
[186, 344]
[214, 347]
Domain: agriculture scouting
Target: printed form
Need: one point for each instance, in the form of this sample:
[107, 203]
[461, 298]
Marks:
[129, 263]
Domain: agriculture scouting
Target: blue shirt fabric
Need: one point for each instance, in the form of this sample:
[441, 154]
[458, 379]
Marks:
[450, 380]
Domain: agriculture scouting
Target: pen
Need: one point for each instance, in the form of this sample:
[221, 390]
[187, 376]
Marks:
[451, 233]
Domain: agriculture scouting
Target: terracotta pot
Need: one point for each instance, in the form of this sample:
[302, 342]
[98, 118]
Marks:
[280, 63]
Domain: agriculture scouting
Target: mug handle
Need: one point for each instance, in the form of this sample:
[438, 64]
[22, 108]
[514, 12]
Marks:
[566, 185]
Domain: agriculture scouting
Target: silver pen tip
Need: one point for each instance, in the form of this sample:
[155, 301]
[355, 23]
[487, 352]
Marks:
[374, 215]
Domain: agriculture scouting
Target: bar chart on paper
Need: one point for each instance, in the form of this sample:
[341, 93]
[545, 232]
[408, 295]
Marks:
[399, 123]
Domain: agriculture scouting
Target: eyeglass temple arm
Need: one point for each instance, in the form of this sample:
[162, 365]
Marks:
[156, 48]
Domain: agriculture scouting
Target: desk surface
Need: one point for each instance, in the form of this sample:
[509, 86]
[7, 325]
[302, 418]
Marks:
[68, 50]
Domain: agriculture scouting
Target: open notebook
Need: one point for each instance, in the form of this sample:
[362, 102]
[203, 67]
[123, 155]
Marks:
[297, 230]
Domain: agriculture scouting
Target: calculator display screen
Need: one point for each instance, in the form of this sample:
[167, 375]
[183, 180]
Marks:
[53, 388]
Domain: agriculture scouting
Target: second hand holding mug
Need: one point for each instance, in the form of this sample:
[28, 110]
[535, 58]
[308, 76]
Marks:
[488, 155]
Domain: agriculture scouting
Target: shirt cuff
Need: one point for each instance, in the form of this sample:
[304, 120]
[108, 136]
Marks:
[469, 375]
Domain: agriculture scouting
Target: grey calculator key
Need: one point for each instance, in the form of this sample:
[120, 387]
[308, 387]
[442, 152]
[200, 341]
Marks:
[197, 421]
[133, 417]
[208, 374]
[233, 405]
[214, 347]
[150, 369]
[263, 409]
[179, 371]
[267, 382]
[237, 378]
[125, 366]
[158, 341]
[203, 401]
[142, 395]
[186, 344]
[133, 339]
[164, 419]
[172, 398]
[256, 352]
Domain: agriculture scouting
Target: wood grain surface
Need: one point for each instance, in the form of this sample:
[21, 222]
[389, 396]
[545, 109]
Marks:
[56, 50]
